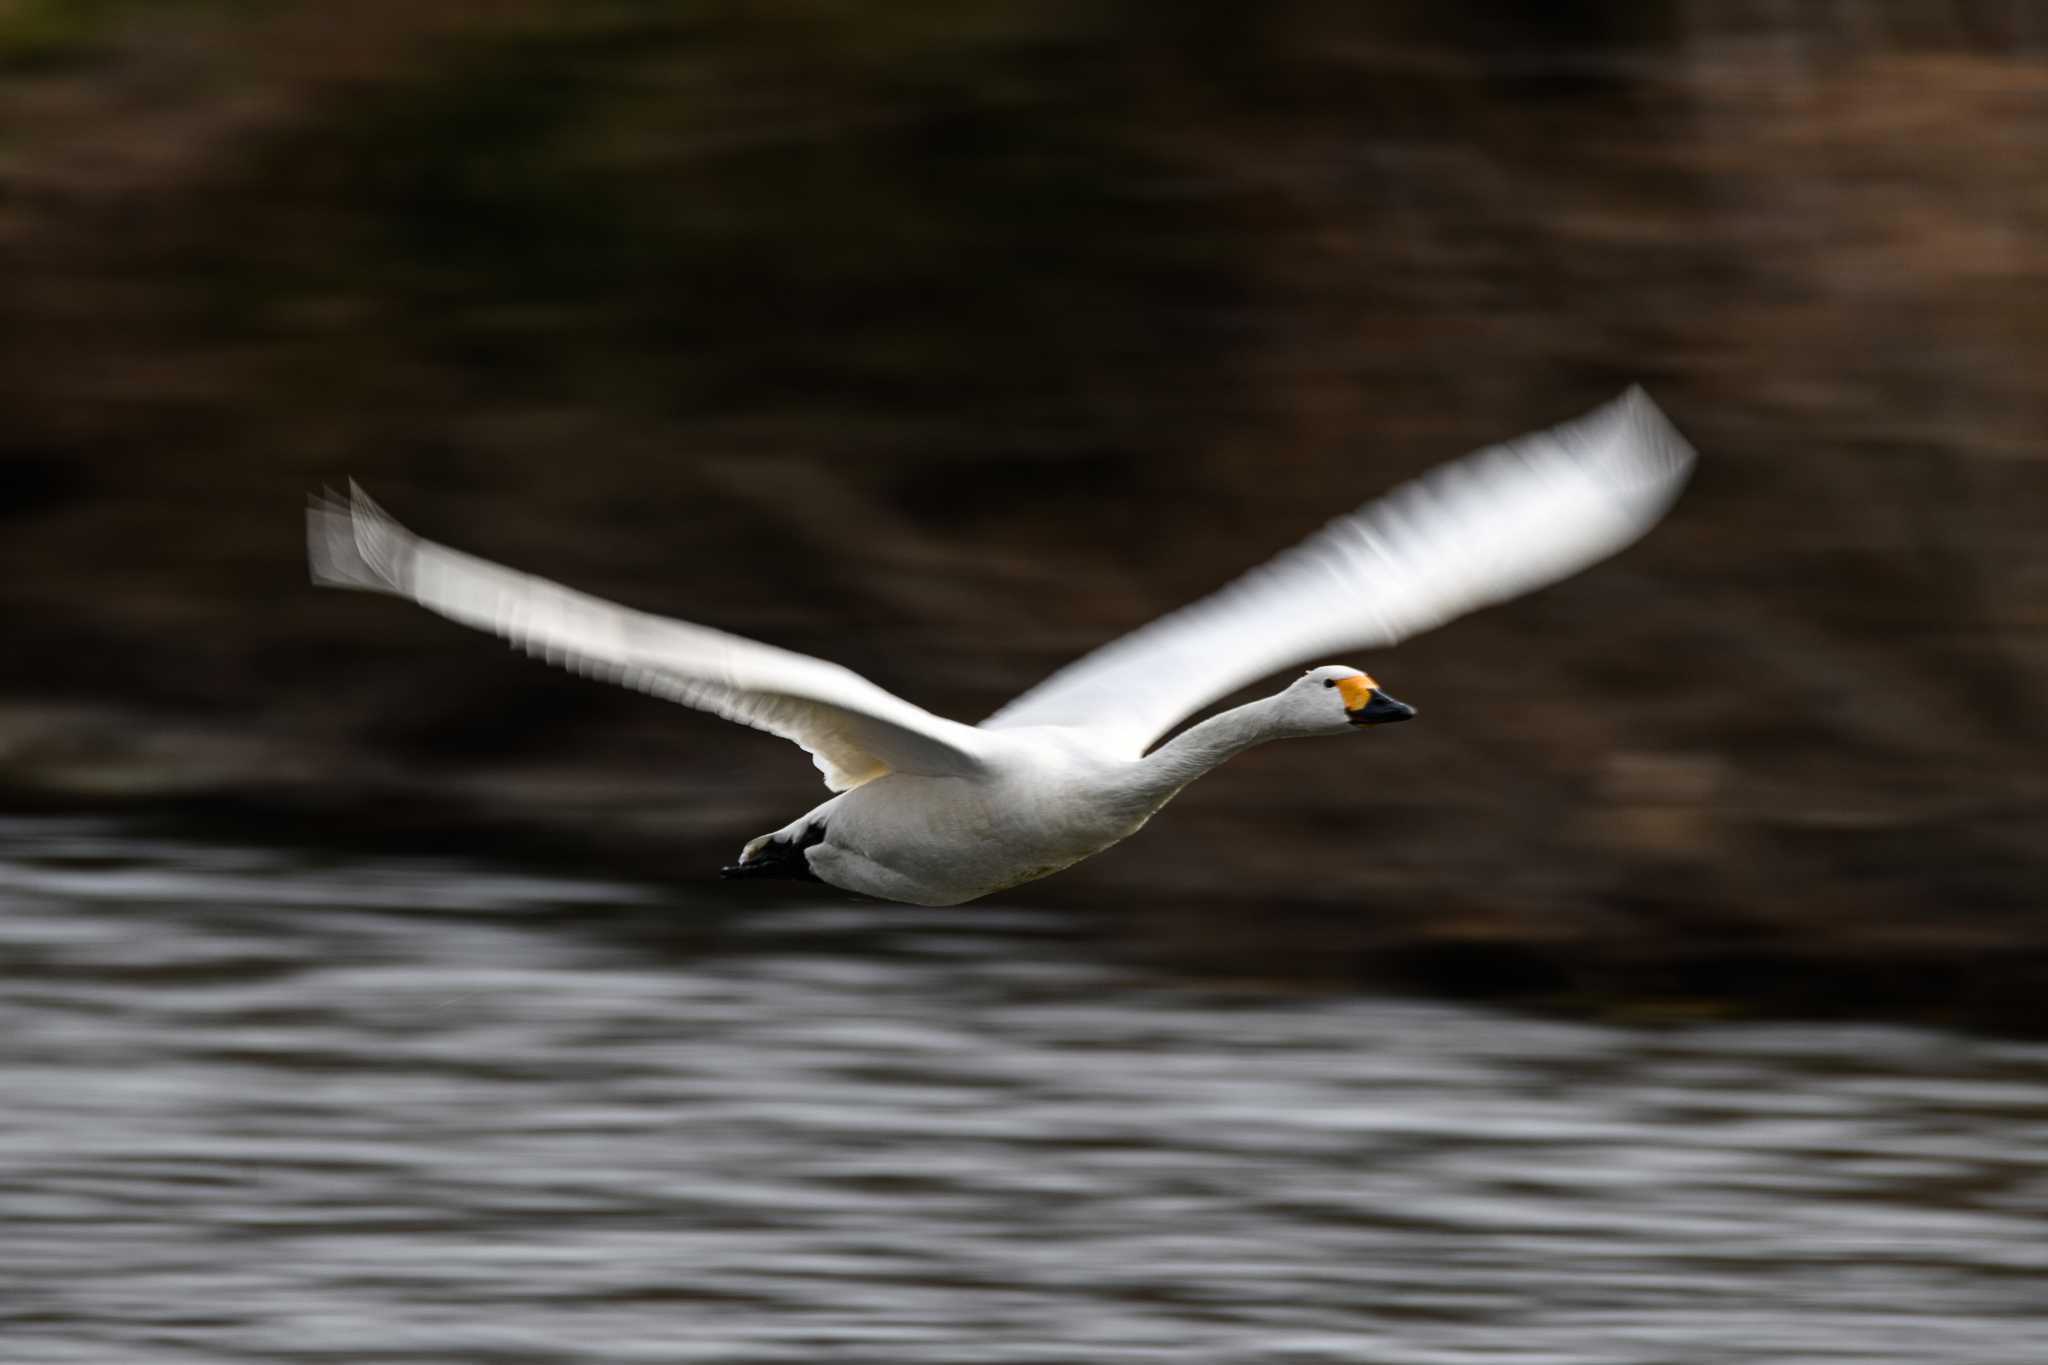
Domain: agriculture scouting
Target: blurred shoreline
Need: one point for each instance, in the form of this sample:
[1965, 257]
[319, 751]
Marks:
[1564, 961]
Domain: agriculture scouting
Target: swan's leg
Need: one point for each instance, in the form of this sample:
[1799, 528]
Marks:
[781, 854]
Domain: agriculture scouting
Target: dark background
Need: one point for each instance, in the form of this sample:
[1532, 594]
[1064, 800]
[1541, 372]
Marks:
[950, 340]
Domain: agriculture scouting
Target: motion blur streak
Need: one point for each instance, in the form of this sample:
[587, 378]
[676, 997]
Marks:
[975, 334]
[259, 1108]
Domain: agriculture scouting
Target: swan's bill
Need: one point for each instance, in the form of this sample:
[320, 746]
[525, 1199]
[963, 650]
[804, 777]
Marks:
[1366, 704]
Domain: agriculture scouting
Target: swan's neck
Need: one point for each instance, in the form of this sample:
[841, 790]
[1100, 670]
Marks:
[1158, 777]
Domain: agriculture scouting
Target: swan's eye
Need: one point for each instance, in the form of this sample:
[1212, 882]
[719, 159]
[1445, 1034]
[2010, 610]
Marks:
[1329, 682]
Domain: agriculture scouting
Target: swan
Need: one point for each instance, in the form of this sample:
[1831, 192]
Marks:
[935, 812]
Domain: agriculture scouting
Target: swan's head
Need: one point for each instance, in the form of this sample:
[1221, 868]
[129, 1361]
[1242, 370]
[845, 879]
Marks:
[1335, 697]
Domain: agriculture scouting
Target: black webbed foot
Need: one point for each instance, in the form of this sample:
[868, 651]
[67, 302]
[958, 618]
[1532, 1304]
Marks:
[779, 859]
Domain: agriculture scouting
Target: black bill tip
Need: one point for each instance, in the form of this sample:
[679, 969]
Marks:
[1382, 710]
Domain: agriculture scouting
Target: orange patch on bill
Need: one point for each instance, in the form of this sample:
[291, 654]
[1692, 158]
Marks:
[1356, 691]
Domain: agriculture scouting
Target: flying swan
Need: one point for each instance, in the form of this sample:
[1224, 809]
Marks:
[934, 812]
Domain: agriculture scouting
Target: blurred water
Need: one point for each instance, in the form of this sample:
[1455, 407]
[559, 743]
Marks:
[259, 1107]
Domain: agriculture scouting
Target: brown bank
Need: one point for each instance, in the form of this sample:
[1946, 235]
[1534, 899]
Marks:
[949, 346]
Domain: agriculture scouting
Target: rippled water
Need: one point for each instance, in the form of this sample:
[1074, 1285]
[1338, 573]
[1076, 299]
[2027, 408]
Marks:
[260, 1108]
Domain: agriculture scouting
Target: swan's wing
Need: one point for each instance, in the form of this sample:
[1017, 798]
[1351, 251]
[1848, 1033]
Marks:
[853, 729]
[1480, 530]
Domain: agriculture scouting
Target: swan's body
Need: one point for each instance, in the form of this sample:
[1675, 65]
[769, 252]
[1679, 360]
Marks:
[934, 812]
[1049, 797]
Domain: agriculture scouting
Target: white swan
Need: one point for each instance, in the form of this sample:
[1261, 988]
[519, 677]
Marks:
[934, 812]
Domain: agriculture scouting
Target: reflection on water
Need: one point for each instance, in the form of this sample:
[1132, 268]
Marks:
[257, 1108]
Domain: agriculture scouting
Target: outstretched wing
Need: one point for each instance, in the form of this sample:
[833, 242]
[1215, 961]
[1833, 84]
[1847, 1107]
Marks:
[1477, 531]
[853, 730]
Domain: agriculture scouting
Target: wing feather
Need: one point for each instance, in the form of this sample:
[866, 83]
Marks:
[1498, 523]
[853, 730]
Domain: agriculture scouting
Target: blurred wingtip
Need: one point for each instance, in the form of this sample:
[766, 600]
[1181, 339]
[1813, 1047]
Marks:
[334, 556]
[1643, 451]
[384, 546]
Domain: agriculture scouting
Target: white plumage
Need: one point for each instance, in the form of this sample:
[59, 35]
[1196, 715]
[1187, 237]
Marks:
[935, 812]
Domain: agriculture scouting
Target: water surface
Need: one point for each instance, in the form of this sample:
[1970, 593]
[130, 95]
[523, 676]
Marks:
[263, 1106]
